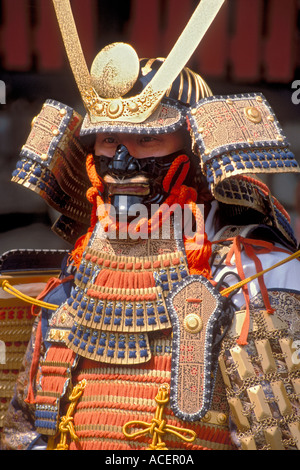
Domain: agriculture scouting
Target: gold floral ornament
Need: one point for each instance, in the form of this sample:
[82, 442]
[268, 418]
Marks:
[104, 101]
[158, 427]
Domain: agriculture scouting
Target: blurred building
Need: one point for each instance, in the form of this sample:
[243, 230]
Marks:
[254, 45]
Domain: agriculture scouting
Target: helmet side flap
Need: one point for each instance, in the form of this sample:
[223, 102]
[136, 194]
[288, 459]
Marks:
[52, 164]
[238, 138]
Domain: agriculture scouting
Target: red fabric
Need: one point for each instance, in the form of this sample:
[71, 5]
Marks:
[16, 47]
[211, 57]
[246, 51]
[280, 52]
[48, 47]
[144, 28]
[85, 14]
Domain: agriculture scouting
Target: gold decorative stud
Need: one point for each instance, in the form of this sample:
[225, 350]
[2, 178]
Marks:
[133, 107]
[259, 99]
[250, 141]
[44, 157]
[193, 323]
[115, 109]
[207, 417]
[229, 101]
[52, 334]
[62, 112]
[270, 118]
[62, 335]
[222, 418]
[99, 108]
[63, 318]
[55, 132]
[253, 114]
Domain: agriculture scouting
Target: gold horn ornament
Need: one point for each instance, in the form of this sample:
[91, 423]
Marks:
[101, 107]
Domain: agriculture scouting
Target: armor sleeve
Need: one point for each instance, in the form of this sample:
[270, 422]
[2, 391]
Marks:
[19, 431]
[262, 378]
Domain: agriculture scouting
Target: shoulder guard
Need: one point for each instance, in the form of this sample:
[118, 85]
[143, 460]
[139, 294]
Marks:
[238, 137]
[52, 163]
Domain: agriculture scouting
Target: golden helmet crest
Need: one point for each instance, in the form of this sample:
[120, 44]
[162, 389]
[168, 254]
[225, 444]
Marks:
[105, 90]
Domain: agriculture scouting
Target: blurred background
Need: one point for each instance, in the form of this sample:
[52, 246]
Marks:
[253, 45]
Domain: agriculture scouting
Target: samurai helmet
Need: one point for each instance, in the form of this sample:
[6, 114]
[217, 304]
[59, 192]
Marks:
[111, 80]
[124, 94]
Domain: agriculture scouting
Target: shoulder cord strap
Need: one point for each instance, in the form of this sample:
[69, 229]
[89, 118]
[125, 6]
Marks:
[252, 248]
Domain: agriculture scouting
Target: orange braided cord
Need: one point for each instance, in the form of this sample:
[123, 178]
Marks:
[198, 249]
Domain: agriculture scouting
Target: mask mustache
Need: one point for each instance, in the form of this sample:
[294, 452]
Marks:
[138, 179]
[123, 166]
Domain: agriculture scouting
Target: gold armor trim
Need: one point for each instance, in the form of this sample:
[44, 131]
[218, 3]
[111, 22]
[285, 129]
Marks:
[265, 352]
[248, 443]
[261, 378]
[273, 437]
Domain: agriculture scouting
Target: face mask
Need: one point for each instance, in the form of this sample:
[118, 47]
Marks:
[129, 180]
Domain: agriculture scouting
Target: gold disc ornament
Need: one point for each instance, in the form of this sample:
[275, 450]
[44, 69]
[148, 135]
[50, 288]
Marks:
[115, 70]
